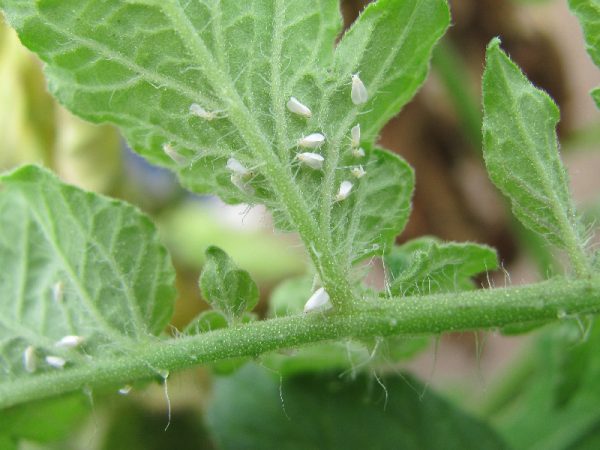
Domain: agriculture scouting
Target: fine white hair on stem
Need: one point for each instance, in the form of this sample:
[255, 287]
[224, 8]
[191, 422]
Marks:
[295, 106]
[359, 91]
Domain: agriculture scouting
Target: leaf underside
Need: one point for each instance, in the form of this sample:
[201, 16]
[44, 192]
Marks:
[521, 151]
[75, 263]
[141, 64]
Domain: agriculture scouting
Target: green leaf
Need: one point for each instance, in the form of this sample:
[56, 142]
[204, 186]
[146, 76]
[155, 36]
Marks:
[46, 420]
[588, 13]
[521, 154]
[290, 295]
[75, 263]
[555, 407]
[226, 287]
[378, 209]
[141, 65]
[206, 321]
[427, 265]
[254, 409]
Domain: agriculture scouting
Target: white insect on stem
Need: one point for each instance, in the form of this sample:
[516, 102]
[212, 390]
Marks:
[355, 135]
[358, 172]
[311, 141]
[55, 361]
[319, 301]
[199, 111]
[312, 160]
[294, 105]
[344, 191]
[174, 154]
[358, 152]
[70, 341]
[359, 91]
[29, 359]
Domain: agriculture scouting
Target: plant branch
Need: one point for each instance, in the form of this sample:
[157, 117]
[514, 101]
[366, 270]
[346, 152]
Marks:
[432, 314]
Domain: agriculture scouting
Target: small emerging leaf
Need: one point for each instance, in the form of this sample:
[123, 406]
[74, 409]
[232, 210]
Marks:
[426, 265]
[226, 287]
[521, 153]
[588, 13]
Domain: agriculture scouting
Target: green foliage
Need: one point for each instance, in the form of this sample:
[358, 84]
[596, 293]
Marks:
[226, 287]
[241, 63]
[521, 154]
[254, 409]
[427, 265]
[555, 405]
[75, 263]
[588, 13]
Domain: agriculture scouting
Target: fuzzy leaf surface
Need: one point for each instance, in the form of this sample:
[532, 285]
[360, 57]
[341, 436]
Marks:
[75, 263]
[226, 287]
[141, 64]
[427, 265]
[521, 151]
[588, 13]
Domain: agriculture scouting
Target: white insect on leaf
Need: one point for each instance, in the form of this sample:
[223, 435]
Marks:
[174, 154]
[294, 105]
[358, 172]
[319, 301]
[358, 152]
[58, 291]
[344, 191]
[240, 175]
[243, 185]
[125, 390]
[55, 361]
[237, 168]
[29, 359]
[359, 91]
[312, 160]
[199, 111]
[70, 341]
[312, 140]
[355, 135]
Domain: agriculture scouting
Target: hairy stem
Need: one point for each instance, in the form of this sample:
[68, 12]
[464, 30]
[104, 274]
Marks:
[433, 314]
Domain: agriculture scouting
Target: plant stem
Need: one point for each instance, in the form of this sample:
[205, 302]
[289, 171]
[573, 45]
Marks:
[432, 314]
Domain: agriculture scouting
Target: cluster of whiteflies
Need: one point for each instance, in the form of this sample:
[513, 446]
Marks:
[241, 176]
[31, 356]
